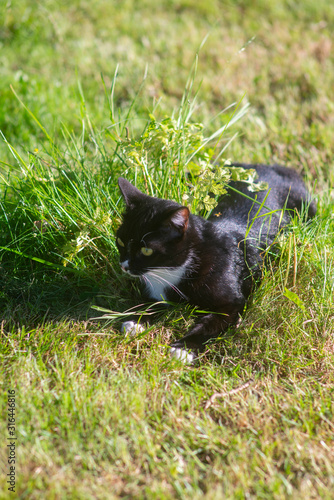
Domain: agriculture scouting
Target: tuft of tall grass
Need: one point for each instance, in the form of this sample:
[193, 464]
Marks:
[60, 204]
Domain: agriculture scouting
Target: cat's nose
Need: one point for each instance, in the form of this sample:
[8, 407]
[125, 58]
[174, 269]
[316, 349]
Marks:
[125, 265]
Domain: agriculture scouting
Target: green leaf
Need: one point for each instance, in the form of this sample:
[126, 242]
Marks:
[260, 186]
[294, 298]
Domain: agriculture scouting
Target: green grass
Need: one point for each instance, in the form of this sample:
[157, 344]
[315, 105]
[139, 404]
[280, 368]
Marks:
[102, 416]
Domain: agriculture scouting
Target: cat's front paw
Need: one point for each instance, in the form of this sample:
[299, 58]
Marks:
[132, 328]
[184, 355]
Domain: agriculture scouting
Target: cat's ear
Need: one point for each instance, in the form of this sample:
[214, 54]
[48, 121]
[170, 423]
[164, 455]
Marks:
[178, 220]
[130, 193]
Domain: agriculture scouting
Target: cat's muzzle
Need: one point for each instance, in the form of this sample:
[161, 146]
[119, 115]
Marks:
[125, 266]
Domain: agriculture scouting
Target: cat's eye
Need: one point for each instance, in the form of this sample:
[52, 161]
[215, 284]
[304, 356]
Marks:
[120, 242]
[146, 251]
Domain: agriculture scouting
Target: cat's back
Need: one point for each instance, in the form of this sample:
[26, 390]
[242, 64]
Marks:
[286, 190]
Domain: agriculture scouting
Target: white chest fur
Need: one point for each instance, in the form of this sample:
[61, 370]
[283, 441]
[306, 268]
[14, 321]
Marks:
[159, 281]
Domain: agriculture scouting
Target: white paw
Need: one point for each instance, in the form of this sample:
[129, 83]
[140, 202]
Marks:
[187, 357]
[132, 328]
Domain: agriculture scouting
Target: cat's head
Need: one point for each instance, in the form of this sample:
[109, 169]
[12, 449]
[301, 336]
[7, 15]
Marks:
[153, 232]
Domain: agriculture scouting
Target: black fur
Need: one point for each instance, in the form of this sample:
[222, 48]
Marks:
[222, 255]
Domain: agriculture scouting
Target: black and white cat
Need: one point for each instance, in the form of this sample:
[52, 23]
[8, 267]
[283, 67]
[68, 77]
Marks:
[209, 263]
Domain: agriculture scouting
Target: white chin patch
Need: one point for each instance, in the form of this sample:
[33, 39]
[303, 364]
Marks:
[187, 357]
[132, 328]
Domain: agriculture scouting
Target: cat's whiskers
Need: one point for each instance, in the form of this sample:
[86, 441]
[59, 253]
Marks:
[143, 238]
[167, 270]
[163, 281]
[145, 278]
[149, 282]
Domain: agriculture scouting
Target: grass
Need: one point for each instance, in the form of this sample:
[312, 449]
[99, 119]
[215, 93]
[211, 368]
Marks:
[97, 415]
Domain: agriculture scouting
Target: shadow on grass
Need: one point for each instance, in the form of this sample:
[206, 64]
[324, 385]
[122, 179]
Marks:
[32, 295]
